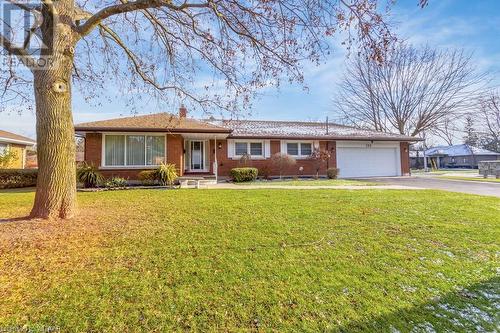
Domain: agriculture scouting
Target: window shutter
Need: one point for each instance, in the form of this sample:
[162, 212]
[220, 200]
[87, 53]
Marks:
[230, 148]
[315, 144]
[267, 148]
[283, 147]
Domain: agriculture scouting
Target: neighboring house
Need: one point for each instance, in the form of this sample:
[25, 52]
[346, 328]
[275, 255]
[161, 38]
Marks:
[10, 142]
[457, 156]
[124, 146]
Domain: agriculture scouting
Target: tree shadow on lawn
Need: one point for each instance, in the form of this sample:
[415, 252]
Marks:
[17, 219]
[18, 190]
[472, 309]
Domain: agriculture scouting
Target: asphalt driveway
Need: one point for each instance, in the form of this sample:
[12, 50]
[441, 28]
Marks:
[463, 186]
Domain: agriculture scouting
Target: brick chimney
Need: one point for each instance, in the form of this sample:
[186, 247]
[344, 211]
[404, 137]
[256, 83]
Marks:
[182, 111]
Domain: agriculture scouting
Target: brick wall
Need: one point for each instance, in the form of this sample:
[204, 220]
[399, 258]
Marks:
[175, 152]
[93, 147]
[93, 154]
[308, 165]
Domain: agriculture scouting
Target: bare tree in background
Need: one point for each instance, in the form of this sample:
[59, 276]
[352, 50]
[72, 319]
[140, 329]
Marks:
[488, 118]
[413, 91]
[160, 48]
[448, 129]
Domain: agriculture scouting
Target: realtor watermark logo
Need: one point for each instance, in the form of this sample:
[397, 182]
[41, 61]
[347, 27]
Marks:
[20, 27]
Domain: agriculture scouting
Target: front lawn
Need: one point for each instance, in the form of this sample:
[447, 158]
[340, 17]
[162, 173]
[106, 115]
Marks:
[254, 260]
[310, 182]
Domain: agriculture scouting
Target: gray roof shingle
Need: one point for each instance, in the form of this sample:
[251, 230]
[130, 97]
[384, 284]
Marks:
[241, 128]
[303, 129]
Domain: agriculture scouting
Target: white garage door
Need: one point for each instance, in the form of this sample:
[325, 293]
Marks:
[368, 162]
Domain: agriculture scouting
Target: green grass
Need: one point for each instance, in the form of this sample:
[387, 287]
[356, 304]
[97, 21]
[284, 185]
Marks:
[254, 260]
[476, 179]
[310, 182]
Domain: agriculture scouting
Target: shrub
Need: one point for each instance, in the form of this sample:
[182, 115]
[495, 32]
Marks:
[8, 157]
[282, 161]
[166, 174]
[244, 174]
[15, 178]
[148, 177]
[320, 157]
[89, 175]
[116, 182]
[265, 172]
[332, 173]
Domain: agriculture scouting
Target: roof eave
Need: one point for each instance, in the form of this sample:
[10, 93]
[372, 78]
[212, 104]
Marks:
[337, 137]
[21, 142]
[142, 129]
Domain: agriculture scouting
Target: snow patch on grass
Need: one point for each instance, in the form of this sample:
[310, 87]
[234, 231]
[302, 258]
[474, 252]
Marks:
[424, 328]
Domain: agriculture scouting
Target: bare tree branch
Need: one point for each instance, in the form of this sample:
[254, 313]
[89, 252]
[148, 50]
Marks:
[126, 7]
[12, 50]
[414, 91]
[488, 118]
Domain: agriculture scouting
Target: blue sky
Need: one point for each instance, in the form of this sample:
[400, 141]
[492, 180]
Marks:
[472, 25]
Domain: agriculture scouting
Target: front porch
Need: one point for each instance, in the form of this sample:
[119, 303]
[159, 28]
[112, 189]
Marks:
[200, 155]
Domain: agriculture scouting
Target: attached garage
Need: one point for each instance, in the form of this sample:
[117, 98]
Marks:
[368, 159]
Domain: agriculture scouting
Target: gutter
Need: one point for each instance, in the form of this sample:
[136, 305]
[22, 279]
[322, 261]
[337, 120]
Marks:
[336, 138]
[136, 129]
[24, 142]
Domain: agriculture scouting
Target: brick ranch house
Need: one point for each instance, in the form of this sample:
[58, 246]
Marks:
[125, 146]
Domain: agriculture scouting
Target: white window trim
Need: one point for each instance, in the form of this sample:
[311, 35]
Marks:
[248, 142]
[314, 145]
[5, 149]
[125, 166]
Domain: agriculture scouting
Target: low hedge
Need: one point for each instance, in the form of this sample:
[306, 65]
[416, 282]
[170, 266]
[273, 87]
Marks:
[148, 177]
[244, 174]
[16, 178]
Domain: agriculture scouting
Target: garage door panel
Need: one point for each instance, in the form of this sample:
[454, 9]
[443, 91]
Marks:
[368, 162]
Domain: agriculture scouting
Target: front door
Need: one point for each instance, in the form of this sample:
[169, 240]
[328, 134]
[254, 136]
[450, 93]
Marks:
[197, 155]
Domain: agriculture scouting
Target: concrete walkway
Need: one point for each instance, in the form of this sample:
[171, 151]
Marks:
[231, 186]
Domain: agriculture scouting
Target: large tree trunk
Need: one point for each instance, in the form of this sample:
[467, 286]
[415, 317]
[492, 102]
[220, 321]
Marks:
[56, 184]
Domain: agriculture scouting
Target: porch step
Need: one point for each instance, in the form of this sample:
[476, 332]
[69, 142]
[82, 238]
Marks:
[195, 182]
[198, 175]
